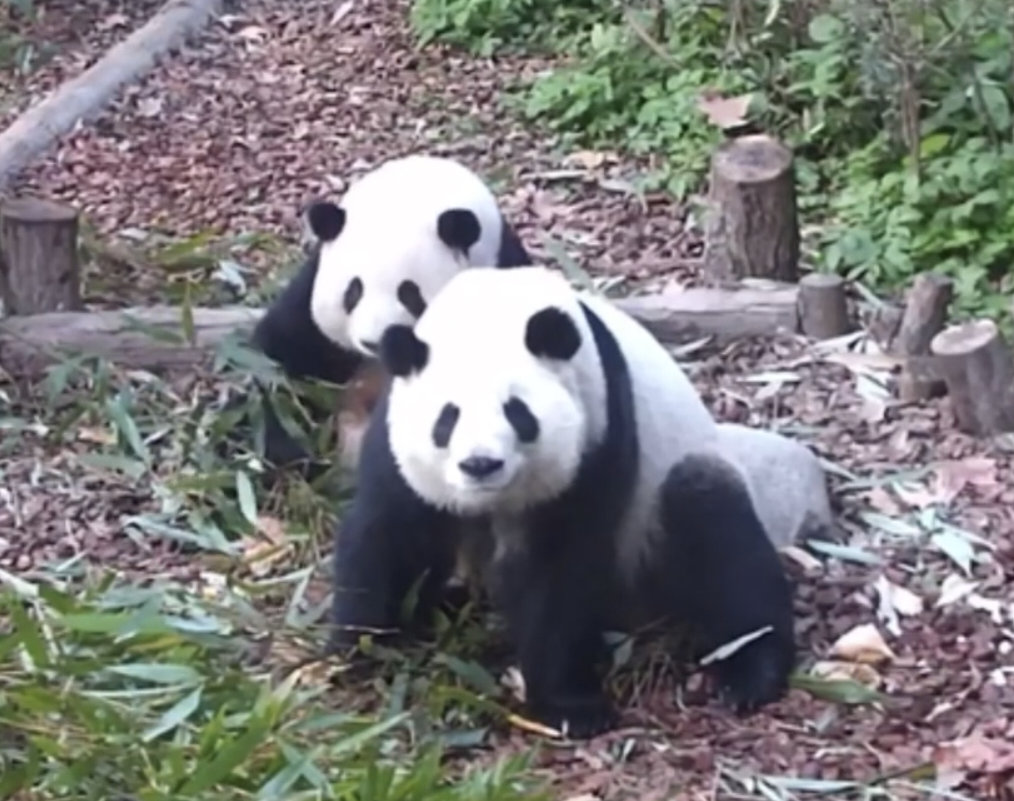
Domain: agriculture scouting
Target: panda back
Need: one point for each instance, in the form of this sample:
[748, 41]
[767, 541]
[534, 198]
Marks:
[671, 421]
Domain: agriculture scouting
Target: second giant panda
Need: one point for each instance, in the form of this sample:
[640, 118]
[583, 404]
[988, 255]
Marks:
[546, 418]
[398, 235]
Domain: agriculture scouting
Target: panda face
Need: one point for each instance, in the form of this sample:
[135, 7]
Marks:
[486, 412]
[401, 233]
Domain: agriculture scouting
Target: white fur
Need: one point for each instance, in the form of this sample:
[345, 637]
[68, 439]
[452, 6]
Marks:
[390, 236]
[785, 479]
[477, 360]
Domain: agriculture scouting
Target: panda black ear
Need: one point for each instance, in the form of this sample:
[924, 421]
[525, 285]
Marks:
[326, 220]
[458, 228]
[402, 352]
[551, 334]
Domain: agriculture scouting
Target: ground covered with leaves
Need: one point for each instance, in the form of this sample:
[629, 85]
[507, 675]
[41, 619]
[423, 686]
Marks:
[161, 608]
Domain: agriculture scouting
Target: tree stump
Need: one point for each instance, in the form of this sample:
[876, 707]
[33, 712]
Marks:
[924, 316]
[752, 227]
[39, 269]
[978, 368]
[823, 307]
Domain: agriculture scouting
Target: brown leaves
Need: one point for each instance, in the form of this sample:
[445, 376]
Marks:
[725, 112]
[977, 754]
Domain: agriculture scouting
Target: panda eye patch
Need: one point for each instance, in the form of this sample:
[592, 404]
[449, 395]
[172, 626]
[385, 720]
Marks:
[522, 420]
[353, 294]
[444, 426]
[411, 298]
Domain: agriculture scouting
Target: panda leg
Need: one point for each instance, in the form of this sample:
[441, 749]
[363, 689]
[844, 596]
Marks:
[729, 579]
[553, 592]
[388, 543]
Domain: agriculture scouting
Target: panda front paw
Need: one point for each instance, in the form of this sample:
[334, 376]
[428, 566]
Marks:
[576, 717]
[757, 675]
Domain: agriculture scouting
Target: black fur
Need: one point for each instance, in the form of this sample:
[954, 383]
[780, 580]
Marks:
[725, 577]
[410, 296]
[402, 352]
[511, 253]
[714, 566]
[444, 426]
[288, 335]
[551, 334]
[353, 294]
[458, 228]
[521, 419]
[326, 220]
[557, 590]
[387, 541]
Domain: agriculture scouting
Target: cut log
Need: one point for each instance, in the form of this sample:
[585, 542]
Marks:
[39, 267]
[752, 227]
[83, 96]
[924, 316]
[764, 308]
[29, 344]
[978, 367]
[823, 307]
[139, 338]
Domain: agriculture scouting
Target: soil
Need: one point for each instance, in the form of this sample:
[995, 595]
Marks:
[279, 103]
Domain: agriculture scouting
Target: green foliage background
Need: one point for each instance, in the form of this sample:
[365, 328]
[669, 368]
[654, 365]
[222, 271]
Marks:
[900, 113]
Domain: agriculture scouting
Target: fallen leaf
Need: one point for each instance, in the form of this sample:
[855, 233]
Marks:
[952, 476]
[804, 559]
[953, 588]
[836, 670]
[588, 159]
[895, 600]
[915, 495]
[865, 644]
[725, 112]
[150, 106]
[98, 436]
[976, 753]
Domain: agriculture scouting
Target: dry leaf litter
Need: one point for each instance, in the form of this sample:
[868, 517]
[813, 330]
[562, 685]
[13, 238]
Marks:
[279, 103]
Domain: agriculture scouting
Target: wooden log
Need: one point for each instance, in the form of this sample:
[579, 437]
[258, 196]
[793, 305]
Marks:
[763, 308]
[39, 267]
[83, 96]
[29, 344]
[148, 338]
[823, 307]
[978, 367]
[752, 228]
[924, 316]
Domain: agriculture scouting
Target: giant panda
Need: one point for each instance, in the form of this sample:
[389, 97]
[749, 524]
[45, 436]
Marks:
[546, 419]
[399, 234]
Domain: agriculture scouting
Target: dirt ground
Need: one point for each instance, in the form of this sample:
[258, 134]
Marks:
[279, 103]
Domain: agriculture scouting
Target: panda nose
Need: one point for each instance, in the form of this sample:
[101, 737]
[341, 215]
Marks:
[480, 466]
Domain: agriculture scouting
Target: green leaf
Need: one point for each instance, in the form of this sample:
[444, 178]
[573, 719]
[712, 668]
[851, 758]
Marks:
[824, 29]
[175, 715]
[841, 691]
[30, 636]
[227, 758]
[157, 673]
[247, 498]
[997, 106]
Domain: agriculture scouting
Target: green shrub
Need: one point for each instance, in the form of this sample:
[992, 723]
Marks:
[900, 113]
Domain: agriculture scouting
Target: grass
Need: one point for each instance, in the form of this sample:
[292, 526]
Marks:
[151, 683]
